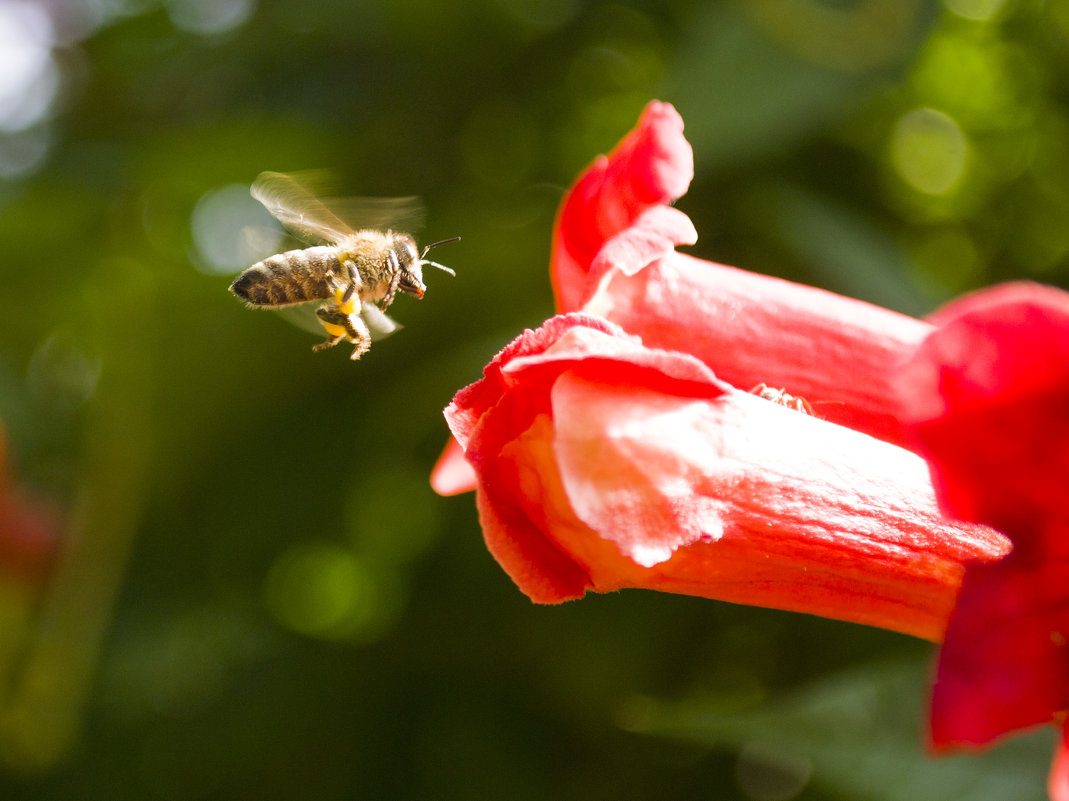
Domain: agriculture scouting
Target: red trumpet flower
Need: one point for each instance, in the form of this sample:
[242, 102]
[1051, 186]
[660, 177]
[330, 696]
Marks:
[617, 446]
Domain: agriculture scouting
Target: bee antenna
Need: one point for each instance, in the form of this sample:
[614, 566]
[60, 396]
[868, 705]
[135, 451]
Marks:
[441, 267]
[436, 244]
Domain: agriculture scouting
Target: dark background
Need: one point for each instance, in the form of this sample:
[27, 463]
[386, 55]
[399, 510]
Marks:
[257, 595]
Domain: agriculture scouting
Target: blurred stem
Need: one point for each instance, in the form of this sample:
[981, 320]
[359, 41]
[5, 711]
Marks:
[41, 718]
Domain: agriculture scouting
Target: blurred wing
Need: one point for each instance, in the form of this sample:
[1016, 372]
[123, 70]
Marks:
[378, 322]
[295, 205]
[299, 201]
[381, 213]
[304, 317]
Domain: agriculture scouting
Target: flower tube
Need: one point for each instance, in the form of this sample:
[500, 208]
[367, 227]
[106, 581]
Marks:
[604, 464]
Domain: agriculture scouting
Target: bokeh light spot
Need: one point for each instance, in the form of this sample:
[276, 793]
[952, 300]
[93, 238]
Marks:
[985, 83]
[62, 372]
[540, 15]
[945, 261]
[853, 36]
[29, 76]
[929, 150]
[208, 17]
[384, 523]
[321, 590]
[231, 230]
[978, 10]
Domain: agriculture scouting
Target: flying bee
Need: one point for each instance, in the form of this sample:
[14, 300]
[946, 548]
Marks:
[357, 272]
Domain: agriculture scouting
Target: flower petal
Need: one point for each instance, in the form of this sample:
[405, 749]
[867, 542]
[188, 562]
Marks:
[836, 352]
[1058, 784]
[652, 236]
[736, 498]
[514, 526]
[452, 474]
[651, 166]
[1004, 664]
[500, 422]
[988, 395]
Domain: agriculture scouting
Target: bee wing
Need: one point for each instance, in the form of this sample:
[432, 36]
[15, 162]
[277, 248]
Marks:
[304, 317]
[299, 202]
[381, 213]
[380, 324]
[293, 204]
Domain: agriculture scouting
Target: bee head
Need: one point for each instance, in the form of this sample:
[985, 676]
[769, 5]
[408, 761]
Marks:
[412, 263]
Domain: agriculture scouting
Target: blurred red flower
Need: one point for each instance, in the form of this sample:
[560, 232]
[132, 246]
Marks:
[28, 530]
[987, 394]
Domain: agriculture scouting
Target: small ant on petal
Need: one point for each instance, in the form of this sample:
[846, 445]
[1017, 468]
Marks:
[781, 397]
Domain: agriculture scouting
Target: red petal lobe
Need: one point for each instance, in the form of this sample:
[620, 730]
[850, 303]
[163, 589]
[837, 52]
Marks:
[988, 393]
[651, 166]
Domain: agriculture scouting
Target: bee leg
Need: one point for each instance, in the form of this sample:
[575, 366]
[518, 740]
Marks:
[354, 280]
[356, 330]
[330, 343]
[334, 282]
[393, 270]
[331, 315]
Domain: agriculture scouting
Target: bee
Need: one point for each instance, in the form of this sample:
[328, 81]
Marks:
[356, 272]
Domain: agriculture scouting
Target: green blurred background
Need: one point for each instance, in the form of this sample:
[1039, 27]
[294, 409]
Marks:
[256, 594]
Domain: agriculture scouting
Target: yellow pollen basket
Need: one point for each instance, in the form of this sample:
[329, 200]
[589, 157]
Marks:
[345, 307]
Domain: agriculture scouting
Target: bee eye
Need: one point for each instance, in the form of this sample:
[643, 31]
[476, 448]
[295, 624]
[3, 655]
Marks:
[405, 248]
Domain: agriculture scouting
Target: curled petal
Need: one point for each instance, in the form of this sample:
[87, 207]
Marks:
[452, 474]
[653, 165]
[654, 235]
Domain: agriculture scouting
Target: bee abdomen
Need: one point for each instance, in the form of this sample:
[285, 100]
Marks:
[296, 276]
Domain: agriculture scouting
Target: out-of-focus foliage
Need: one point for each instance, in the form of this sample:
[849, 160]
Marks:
[257, 594]
[852, 731]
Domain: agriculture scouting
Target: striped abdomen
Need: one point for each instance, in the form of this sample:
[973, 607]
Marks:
[295, 276]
